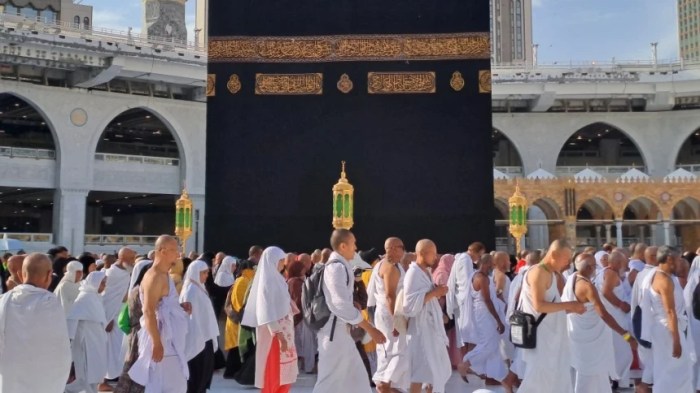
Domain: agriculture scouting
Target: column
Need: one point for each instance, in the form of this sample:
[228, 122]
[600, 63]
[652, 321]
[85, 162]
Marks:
[196, 241]
[618, 226]
[69, 219]
[608, 233]
[570, 227]
[667, 233]
[597, 235]
[642, 234]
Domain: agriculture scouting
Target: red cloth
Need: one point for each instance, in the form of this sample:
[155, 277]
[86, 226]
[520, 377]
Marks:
[272, 371]
[520, 264]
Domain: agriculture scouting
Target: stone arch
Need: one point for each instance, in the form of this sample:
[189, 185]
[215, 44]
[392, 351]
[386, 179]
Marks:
[688, 152]
[642, 207]
[511, 156]
[49, 123]
[550, 208]
[501, 207]
[592, 134]
[599, 207]
[687, 208]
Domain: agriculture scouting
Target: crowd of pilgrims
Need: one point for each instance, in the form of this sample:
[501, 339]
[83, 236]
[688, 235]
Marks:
[399, 320]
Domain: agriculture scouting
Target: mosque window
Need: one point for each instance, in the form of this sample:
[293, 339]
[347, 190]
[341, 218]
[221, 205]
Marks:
[86, 23]
[76, 21]
[29, 13]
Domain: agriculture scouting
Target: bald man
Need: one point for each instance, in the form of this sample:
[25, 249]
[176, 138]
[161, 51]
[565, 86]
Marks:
[254, 254]
[637, 261]
[646, 357]
[14, 266]
[162, 362]
[114, 296]
[501, 281]
[35, 351]
[426, 337]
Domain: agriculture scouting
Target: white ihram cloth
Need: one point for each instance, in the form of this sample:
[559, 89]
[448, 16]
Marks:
[485, 358]
[86, 329]
[621, 348]
[427, 340]
[591, 345]
[68, 289]
[202, 322]
[457, 293]
[224, 274]
[117, 286]
[340, 368]
[517, 364]
[170, 374]
[140, 265]
[392, 362]
[547, 367]
[694, 324]
[34, 346]
[646, 355]
[506, 347]
[670, 374]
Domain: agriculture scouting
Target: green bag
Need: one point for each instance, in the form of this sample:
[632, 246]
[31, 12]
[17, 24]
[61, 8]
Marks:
[123, 319]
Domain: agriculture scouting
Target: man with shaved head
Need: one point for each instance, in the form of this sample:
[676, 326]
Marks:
[254, 254]
[501, 281]
[114, 296]
[162, 362]
[646, 357]
[14, 266]
[426, 337]
[35, 351]
[458, 284]
[637, 261]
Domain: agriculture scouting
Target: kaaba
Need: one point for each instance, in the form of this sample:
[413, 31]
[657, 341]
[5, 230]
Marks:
[400, 90]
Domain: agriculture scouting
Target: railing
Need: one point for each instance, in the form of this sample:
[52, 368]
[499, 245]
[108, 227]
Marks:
[609, 170]
[605, 65]
[695, 168]
[29, 237]
[108, 157]
[79, 31]
[140, 240]
[27, 152]
[510, 170]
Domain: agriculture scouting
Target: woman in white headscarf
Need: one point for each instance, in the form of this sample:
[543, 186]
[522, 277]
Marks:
[69, 287]
[694, 324]
[86, 329]
[204, 330]
[270, 311]
[224, 279]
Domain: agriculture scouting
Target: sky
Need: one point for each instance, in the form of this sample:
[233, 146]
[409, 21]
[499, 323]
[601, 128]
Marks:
[566, 30]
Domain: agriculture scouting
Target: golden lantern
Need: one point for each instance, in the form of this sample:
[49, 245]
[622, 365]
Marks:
[517, 223]
[343, 202]
[183, 218]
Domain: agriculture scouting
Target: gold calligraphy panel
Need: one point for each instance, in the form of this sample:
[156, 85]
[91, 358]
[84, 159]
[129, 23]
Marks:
[485, 81]
[288, 84]
[400, 82]
[211, 85]
[460, 46]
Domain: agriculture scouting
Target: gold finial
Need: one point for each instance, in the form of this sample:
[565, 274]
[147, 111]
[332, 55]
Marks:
[342, 171]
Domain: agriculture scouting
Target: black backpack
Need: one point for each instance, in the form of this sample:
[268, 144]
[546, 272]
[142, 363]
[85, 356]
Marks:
[313, 300]
[696, 302]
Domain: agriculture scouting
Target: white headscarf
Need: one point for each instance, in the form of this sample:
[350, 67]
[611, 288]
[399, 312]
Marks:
[269, 299]
[137, 270]
[599, 258]
[224, 276]
[693, 280]
[89, 306]
[72, 268]
[203, 325]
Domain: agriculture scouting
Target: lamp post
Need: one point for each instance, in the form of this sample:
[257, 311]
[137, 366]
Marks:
[343, 202]
[517, 227]
[183, 218]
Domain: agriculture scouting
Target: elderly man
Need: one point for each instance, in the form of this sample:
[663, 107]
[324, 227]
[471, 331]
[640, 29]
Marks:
[114, 296]
[637, 261]
[69, 287]
[427, 340]
[665, 324]
[254, 254]
[547, 367]
[35, 353]
[590, 336]
[385, 284]
[14, 266]
[162, 364]
[646, 356]
[458, 290]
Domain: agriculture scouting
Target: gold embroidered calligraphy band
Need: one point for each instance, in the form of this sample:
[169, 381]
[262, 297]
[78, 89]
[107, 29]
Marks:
[288, 84]
[400, 82]
[211, 85]
[461, 46]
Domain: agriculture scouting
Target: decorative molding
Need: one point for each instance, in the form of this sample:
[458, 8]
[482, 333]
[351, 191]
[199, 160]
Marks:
[345, 85]
[485, 81]
[211, 85]
[400, 82]
[288, 84]
[78, 117]
[457, 82]
[234, 84]
[307, 49]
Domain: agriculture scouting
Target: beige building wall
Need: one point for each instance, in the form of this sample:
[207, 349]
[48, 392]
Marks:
[511, 32]
[689, 29]
[200, 23]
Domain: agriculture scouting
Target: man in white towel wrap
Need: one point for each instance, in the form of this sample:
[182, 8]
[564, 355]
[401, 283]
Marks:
[458, 289]
[427, 340]
[646, 356]
[340, 368]
[590, 334]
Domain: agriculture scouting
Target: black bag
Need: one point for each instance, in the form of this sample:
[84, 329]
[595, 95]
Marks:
[696, 302]
[313, 300]
[637, 325]
[523, 329]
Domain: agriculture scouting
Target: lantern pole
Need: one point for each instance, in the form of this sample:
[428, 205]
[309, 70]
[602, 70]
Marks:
[343, 202]
[517, 227]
